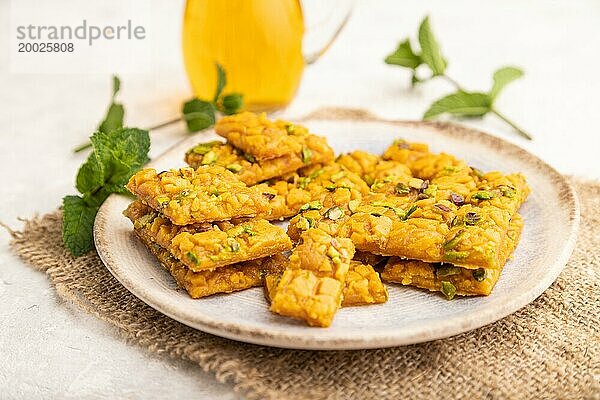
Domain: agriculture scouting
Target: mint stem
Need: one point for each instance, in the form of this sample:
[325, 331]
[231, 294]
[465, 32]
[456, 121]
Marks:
[512, 124]
[453, 82]
[498, 114]
[85, 146]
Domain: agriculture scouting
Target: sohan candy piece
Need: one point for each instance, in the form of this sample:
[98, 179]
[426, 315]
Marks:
[248, 169]
[447, 278]
[187, 196]
[311, 288]
[227, 279]
[264, 139]
[363, 286]
[249, 240]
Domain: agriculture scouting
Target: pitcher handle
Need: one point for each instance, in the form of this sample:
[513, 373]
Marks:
[324, 20]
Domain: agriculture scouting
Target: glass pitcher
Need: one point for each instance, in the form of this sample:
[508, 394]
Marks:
[261, 44]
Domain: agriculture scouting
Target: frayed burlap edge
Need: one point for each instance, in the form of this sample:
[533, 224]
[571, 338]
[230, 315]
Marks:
[549, 349]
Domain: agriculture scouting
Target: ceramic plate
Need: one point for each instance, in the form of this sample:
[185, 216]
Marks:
[411, 315]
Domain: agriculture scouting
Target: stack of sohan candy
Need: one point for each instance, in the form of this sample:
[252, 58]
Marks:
[421, 219]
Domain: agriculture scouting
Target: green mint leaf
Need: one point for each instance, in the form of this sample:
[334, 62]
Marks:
[78, 224]
[221, 82]
[231, 103]
[90, 176]
[113, 119]
[503, 77]
[198, 114]
[461, 104]
[115, 113]
[121, 153]
[404, 56]
[430, 49]
[116, 86]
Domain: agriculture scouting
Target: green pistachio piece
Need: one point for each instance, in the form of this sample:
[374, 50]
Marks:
[447, 271]
[235, 168]
[313, 205]
[409, 212]
[455, 255]
[331, 188]
[402, 189]
[209, 158]
[233, 245]
[483, 195]
[193, 257]
[144, 220]
[452, 243]
[306, 155]
[248, 230]
[334, 213]
[249, 157]
[479, 274]
[448, 289]
[290, 128]
[337, 176]
[353, 205]
[204, 148]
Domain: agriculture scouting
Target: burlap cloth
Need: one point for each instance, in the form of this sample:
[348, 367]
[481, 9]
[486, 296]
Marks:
[549, 349]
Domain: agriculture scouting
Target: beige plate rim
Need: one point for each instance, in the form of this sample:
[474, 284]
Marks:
[386, 338]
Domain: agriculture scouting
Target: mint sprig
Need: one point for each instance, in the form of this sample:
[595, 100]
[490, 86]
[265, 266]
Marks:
[115, 156]
[461, 103]
[197, 114]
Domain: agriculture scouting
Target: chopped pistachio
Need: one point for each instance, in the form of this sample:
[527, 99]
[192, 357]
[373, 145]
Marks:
[233, 245]
[471, 218]
[332, 252]
[508, 191]
[204, 148]
[452, 255]
[377, 185]
[402, 190]
[382, 204]
[290, 128]
[369, 179]
[452, 243]
[193, 258]
[334, 213]
[304, 223]
[430, 191]
[479, 274]
[209, 158]
[249, 157]
[408, 213]
[248, 230]
[316, 173]
[337, 176]
[450, 168]
[442, 207]
[235, 168]
[162, 201]
[144, 220]
[313, 205]
[448, 289]
[477, 172]
[447, 270]
[306, 155]
[457, 199]
[269, 196]
[303, 182]
[483, 195]
[353, 205]
[331, 188]
[215, 193]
